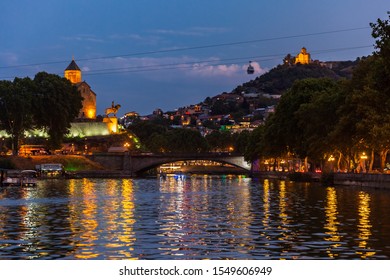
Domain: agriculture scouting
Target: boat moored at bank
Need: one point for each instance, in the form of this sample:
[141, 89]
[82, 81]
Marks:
[23, 178]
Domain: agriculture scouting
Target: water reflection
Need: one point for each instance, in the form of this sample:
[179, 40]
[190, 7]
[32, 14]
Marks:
[266, 204]
[331, 225]
[83, 221]
[127, 220]
[199, 213]
[364, 226]
[200, 217]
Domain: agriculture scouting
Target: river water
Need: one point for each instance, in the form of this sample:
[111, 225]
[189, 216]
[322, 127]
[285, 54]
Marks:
[199, 217]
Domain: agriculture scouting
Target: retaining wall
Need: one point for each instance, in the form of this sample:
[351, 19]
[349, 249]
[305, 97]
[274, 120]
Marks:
[363, 180]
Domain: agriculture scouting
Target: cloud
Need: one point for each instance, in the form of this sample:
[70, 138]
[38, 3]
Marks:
[148, 39]
[224, 70]
[211, 29]
[215, 70]
[193, 31]
[169, 68]
[83, 38]
[8, 58]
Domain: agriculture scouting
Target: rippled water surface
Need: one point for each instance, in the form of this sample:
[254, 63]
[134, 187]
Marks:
[196, 218]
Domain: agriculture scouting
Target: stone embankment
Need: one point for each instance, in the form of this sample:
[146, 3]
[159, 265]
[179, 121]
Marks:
[381, 181]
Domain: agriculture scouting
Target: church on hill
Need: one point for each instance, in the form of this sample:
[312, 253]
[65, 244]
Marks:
[87, 124]
[303, 57]
[73, 74]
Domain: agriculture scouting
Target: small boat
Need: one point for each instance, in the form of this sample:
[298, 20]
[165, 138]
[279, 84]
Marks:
[21, 178]
[50, 170]
[179, 176]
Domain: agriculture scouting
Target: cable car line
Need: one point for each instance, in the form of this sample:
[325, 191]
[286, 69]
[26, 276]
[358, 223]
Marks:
[202, 63]
[215, 62]
[190, 48]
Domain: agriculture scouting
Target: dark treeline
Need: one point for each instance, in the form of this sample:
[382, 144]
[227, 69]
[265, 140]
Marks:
[161, 138]
[47, 102]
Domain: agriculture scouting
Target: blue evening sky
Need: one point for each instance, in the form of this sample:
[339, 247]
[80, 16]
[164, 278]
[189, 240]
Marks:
[172, 53]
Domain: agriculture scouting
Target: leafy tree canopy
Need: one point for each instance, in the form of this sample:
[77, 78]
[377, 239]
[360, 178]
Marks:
[56, 104]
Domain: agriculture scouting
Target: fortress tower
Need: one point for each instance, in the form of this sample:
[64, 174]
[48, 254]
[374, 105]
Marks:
[73, 74]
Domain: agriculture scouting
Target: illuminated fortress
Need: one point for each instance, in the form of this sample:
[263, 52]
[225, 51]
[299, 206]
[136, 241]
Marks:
[86, 124]
[73, 74]
[303, 57]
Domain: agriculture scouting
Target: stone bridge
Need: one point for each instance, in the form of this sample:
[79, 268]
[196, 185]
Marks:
[138, 163]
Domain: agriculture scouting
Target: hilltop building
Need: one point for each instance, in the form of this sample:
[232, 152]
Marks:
[303, 57]
[73, 74]
[86, 124]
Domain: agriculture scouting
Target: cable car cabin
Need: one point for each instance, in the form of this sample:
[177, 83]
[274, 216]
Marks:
[250, 69]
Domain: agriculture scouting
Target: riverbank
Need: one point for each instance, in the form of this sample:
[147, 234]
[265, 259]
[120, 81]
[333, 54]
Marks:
[71, 163]
[77, 166]
[292, 176]
[379, 181]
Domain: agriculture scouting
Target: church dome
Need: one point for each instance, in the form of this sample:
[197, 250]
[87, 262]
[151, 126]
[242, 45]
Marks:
[73, 73]
[72, 66]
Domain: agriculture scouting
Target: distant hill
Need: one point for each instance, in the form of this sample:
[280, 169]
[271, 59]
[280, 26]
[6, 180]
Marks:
[264, 91]
[280, 78]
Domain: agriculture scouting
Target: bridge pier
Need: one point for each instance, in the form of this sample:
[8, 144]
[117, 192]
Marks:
[127, 164]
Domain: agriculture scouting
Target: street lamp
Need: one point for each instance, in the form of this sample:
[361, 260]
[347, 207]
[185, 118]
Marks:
[363, 158]
[331, 160]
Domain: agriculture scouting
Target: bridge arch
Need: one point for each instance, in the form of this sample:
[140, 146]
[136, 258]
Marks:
[156, 164]
[139, 162]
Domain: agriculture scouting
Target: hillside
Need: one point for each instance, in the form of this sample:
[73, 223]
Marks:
[280, 78]
[264, 91]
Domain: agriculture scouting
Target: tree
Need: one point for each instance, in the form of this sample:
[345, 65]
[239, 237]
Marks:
[289, 60]
[317, 119]
[365, 115]
[184, 140]
[297, 127]
[145, 130]
[255, 145]
[219, 108]
[241, 141]
[283, 129]
[219, 141]
[158, 142]
[16, 109]
[56, 104]
[381, 32]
